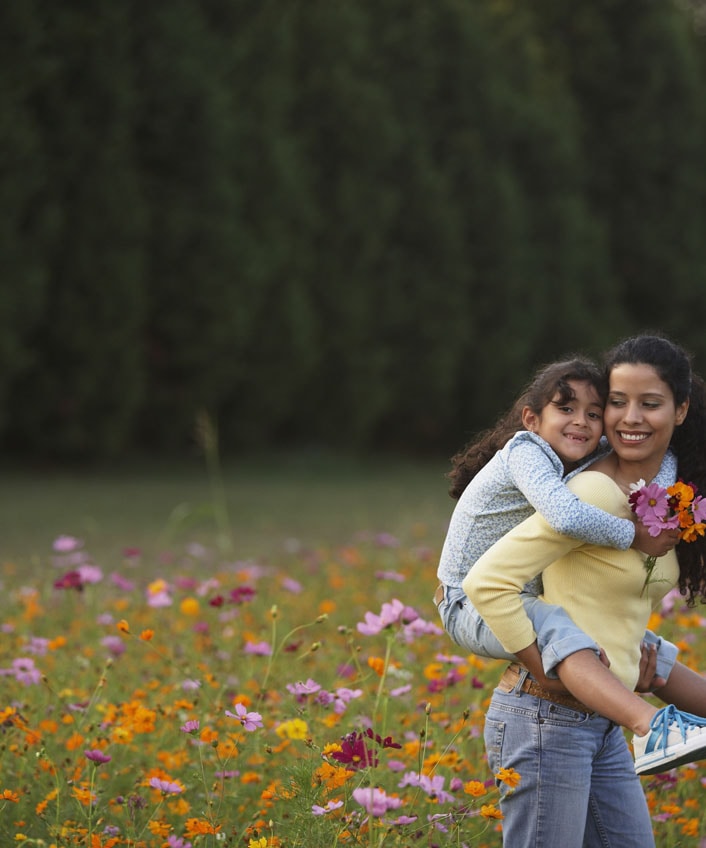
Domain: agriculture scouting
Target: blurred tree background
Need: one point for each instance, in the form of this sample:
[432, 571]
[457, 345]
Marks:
[357, 224]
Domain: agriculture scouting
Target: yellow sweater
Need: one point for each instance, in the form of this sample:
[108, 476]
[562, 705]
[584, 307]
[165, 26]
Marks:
[602, 589]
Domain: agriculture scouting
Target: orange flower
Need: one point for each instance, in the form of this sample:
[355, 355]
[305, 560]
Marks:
[9, 795]
[377, 664]
[474, 788]
[147, 635]
[508, 776]
[123, 626]
[197, 827]
[490, 811]
[159, 828]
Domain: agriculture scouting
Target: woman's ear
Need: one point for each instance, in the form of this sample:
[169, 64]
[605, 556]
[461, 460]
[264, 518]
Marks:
[530, 419]
[682, 409]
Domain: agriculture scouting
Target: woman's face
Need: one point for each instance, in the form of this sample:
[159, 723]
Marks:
[640, 414]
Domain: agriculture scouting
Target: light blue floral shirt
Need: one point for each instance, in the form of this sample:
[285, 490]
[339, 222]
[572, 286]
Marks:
[524, 477]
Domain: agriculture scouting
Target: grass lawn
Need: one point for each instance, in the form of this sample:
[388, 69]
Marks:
[313, 499]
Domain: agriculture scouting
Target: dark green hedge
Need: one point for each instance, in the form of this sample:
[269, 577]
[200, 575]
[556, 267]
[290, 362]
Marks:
[337, 222]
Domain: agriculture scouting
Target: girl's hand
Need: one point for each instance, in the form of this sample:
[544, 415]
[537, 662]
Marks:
[648, 680]
[654, 545]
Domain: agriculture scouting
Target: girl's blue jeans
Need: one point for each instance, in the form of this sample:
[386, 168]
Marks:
[557, 635]
[578, 787]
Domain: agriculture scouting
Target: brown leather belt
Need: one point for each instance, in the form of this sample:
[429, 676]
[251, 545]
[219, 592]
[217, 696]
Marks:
[439, 594]
[511, 677]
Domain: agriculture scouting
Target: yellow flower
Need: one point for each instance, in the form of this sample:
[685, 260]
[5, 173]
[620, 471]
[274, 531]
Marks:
[189, 606]
[295, 728]
[258, 843]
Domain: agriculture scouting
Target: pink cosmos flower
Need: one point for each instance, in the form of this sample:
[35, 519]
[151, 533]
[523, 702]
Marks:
[302, 689]
[24, 671]
[90, 573]
[391, 613]
[66, 544]
[261, 649]
[291, 585]
[95, 755]
[651, 504]
[166, 786]
[250, 721]
[433, 786]
[114, 645]
[191, 726]
[375, 801]
[332, 805]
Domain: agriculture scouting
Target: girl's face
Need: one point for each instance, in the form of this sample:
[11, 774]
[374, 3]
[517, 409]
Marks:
[574, 428]
[640, 414]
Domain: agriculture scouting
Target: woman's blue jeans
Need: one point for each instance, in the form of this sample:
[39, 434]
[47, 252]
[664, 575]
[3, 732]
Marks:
[578, 787]
[557, 635]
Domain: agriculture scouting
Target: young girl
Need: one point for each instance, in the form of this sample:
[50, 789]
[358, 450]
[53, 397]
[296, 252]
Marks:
[559, 423]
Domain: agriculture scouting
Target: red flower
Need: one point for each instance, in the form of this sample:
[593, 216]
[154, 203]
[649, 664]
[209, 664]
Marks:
[354, 753]
[70, 580]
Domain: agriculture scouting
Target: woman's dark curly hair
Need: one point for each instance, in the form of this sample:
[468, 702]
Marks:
[548, 382]
[673, 365]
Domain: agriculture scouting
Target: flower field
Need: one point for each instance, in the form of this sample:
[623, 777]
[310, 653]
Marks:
[310, 700]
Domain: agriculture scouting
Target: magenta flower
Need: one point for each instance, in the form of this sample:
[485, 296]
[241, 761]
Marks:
[97, 756]
[191, 726]
[250, 721]
[166, 786]
[375, 801]
[354, 753]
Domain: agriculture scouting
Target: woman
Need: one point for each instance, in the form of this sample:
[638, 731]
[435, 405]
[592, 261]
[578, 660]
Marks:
[578, 787]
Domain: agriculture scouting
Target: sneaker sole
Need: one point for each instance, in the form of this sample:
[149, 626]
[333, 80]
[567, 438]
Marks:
[666, 763]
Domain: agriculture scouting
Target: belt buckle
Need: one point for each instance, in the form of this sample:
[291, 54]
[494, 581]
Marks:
[439, 595]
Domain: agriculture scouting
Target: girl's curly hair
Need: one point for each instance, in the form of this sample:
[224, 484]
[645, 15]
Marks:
[548, 382]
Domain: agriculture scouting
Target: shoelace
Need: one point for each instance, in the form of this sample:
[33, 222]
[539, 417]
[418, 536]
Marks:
[669, 716]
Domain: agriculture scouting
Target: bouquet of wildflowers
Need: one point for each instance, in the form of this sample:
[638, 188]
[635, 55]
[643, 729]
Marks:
[679, 507]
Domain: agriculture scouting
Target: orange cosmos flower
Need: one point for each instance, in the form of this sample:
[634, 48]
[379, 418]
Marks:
[490, 811]
[123, 626]
[197, 827]
[474, 788]
[9, 795]
[147, 635]
[508, 776]
[377, 664]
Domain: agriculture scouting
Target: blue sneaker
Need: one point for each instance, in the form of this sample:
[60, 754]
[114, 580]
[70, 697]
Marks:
[674, 738]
